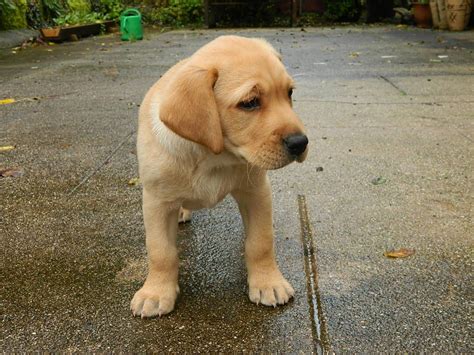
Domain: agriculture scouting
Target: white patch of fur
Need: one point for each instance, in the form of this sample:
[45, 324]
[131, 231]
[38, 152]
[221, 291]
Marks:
[212, 176]
[175, 145]
[180, 147]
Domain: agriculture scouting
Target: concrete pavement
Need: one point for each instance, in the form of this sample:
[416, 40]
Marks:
[13, 38]
[378, 102]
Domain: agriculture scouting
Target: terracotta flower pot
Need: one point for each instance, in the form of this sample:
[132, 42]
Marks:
[422, 15]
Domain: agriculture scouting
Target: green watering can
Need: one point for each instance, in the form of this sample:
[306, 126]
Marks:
[131, 25]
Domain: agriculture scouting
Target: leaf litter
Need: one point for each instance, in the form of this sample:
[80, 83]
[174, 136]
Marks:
[11, 172]
[7, 101]
[6, 148]
[134, 181]
[399, 253]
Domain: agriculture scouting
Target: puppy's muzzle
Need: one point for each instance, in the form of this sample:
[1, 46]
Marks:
[295, 144]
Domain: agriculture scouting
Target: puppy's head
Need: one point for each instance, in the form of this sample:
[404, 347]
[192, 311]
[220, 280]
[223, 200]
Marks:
[235, 94]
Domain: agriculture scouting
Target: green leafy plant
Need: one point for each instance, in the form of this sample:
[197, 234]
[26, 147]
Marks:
[110, 9]
[54, 8]
[76, 18]
[179, 13]
[341, 10]
[310, 20]
[13, 14]
[7, 5]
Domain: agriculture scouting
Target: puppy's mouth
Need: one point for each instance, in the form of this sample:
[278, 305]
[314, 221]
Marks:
[271, 156]
[273, 159]
[293, 147]
[269, 162]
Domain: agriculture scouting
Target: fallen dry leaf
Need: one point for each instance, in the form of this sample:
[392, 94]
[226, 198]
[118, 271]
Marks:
[7, 101]
[134, 181]
[6, 148]
[399, 253]
[112, 71]
[11, 172]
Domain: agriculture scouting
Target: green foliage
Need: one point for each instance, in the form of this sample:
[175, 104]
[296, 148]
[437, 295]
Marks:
[6, 5]
[179, 13]
[102, 10]
[52, 9]
[310, 20]
[79, 5]
[255, 13]
[34, 15]
[110, 9]
[42, 13]
[13, 14]
[341, 10]
[76, 18]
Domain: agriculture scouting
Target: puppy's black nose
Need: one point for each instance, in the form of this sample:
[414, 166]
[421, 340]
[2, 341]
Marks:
[295, 144]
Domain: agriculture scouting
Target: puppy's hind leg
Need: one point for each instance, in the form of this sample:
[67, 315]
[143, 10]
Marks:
[184, 215]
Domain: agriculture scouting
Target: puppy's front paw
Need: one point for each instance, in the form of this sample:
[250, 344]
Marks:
[269, 289]
[152, 301]
[184, 215]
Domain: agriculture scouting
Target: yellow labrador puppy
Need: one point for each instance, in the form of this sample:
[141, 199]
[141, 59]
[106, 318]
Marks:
[213, 125]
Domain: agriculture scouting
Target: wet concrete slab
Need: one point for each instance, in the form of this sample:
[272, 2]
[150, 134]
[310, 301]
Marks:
[71, 227]
[14, 38]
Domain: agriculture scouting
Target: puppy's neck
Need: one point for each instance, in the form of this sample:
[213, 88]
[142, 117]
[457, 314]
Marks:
[185, 151]
[174, 145]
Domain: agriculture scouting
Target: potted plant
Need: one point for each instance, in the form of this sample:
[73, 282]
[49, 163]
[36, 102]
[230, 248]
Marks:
[77, 24]
[422, 13]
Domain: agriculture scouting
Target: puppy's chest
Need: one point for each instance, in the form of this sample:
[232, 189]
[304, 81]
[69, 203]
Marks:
[209, 188]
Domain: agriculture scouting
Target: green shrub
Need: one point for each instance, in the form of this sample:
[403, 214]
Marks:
[341, 10]
[13, 14]
[111, 9]
[179, 13]
[77, 18]
[82, 6]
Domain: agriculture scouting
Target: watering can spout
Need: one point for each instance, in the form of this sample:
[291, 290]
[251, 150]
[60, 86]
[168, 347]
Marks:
[131, 28]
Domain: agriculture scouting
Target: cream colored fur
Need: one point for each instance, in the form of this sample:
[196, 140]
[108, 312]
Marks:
[196, 145]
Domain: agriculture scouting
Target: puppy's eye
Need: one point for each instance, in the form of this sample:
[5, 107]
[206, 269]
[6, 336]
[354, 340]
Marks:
[290, 92]
[250, 105]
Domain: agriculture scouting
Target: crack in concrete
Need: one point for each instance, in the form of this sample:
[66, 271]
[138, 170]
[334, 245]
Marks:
[393, 84]
[318, 320]
[101, 165]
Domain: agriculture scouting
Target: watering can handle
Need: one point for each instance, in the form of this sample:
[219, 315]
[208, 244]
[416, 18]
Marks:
[125, 25]
[131, 12]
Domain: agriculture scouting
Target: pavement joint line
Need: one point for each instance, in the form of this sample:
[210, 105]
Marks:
[462, 134]
[446, 123]
[318, 320]
[393, 84]
[384, 103]
[101, 165]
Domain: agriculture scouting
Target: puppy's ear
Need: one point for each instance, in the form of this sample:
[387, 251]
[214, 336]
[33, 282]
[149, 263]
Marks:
[189, 108]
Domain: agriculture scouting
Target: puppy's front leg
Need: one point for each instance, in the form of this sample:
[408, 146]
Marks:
[158, 294]
[266, 283]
